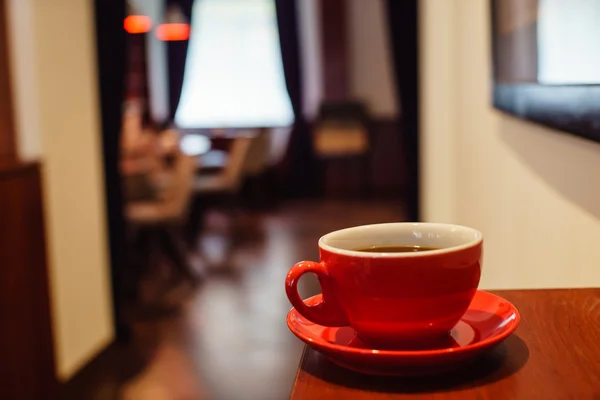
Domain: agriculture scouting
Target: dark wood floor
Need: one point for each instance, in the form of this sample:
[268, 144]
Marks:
[229, 340]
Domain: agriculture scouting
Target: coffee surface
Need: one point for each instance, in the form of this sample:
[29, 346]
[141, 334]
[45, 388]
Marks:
[396, 249]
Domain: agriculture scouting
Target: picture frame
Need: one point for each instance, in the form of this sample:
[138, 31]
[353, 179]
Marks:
[546, 68]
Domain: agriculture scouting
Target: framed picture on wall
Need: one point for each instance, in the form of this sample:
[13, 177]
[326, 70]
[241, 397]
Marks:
[546, 62]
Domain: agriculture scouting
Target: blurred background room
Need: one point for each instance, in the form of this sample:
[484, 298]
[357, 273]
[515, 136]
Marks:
[163, 163]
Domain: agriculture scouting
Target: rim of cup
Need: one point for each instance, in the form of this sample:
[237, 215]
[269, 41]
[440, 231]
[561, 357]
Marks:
[472, 237]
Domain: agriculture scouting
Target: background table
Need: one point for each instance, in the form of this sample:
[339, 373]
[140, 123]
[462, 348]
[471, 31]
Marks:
[554, 354]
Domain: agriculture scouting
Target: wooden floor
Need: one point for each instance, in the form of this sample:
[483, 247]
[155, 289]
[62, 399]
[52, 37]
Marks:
[229, 340]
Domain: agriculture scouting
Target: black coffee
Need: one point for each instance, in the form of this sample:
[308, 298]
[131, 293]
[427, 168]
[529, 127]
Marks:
[396, 249]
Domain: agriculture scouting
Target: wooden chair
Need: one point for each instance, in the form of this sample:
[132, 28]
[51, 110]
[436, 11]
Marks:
[158, 223]
[220, 189]
[341, 135]
[171, 206]
[229, 179]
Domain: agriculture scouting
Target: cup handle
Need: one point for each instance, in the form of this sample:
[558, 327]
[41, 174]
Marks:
[329, 311]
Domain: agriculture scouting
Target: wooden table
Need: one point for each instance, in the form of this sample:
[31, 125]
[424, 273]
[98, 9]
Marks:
[554, 354]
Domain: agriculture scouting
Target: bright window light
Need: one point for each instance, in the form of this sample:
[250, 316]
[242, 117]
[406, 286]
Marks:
[567, 42]
[234, 74]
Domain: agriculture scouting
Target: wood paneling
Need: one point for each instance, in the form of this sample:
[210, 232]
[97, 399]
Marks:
[26, 345]
[334, 44]
[7, 134]
[382, 175]
[27, 363]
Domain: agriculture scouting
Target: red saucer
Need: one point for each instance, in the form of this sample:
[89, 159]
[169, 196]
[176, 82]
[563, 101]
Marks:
[488, 321]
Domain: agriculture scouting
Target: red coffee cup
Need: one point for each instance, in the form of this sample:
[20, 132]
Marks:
[393, 299]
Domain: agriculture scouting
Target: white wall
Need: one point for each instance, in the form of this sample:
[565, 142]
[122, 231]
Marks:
[530, 189]
[371, 69]
[24, 83]
[57, 118]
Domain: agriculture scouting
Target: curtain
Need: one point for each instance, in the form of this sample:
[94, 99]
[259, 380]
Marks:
[176, 56]
[403, 30]
[110, 47]
[298, 169]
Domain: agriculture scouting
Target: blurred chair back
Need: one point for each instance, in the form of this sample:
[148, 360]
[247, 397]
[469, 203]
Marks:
[259, 152]
[173, 206]
[230, 178]
[180, 195]
[341, 130]
[343, 111]
[233, 172]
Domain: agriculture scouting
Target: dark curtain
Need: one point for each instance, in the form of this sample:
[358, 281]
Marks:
[298, 170]
[177, 54]
[403, 29]
[110, 47]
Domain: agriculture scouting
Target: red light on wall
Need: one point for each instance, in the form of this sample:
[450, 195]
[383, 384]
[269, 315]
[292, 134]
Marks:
[137, 24]
[173, 32]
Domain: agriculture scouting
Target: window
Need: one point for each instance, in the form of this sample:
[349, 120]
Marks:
[234, 73]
